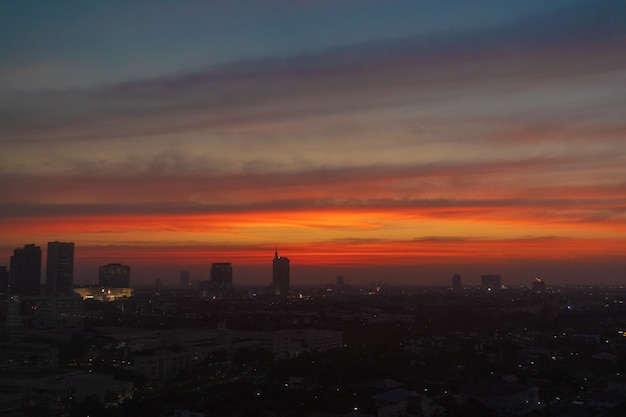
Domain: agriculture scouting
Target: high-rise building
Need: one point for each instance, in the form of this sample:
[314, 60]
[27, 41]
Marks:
[456, 282]
[185, 279]
[222, 276]
[280, 275]
[60, 267]
[114, 276]
[25, 271]
[490, 282]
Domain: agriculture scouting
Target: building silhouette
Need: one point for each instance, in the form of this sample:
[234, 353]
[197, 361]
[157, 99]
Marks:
[280, 275]
[222, 276]
[25, 271]
[456, 282]
[340, 282]
[490, 282]
[185, 279]
[60, 267]
[114, 276]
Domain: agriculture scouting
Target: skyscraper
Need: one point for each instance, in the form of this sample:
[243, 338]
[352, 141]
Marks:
[456, 282]
[185, 279]
[280, 274]
[60, 267]
[222, 276]
[25, 270]
[114, 276]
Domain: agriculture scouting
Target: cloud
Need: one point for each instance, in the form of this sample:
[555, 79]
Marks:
[476, 141]
[344, 79]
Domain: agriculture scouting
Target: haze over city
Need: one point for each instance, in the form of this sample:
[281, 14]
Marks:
[395, 141]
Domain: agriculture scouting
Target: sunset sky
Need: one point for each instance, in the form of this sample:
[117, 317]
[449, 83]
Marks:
[397, 141]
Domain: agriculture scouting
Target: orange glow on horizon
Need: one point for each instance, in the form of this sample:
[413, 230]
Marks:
[391, 236]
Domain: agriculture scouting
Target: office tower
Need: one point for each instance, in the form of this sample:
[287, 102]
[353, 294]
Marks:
[25, 271]
[456, 282]
[222, 276]
[60, 267]
[490, 282]
[114, 276]
[280, 274]
[185, 279]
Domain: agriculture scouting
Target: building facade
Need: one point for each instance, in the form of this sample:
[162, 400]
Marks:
[60, 267]
[456, 282]
[222, 276]
[114, 276]
[25, 271]
[280, 275]
[185, 279]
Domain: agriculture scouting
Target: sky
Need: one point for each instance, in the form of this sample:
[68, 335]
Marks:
[385, 141]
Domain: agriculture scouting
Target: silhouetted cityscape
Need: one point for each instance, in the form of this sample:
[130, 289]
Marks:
[289, 208]
[212, 348]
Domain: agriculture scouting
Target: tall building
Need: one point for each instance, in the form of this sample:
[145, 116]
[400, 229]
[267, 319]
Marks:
[222, 276]
[280, 274]
[60, 267]
[456, 282]
[114, 276]
[490, 282]
[185, 279]
[25, 271]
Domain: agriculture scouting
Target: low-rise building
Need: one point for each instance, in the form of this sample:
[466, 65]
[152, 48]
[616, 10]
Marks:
[163, 364]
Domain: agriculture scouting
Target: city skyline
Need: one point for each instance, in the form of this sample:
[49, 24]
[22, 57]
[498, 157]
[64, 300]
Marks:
[383, 141]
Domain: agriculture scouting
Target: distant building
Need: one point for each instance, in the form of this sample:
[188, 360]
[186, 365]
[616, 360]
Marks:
[60, 267]
[114, 276]
[103, 294]
[25, 271]
[490, 282]
[539, 285]
[185, 279]
[222, 276]
[293, 342]
[45, 312]
[456, 282]
[163, 364]
[14, 315]
[340, 281]
[280, 275]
